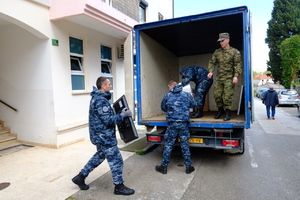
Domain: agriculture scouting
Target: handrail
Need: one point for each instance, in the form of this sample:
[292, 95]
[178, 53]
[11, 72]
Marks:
[8, 106]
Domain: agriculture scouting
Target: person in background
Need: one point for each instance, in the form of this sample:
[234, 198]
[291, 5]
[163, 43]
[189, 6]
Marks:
[177, 104]
[198, 75]
[271, 100]
[102, 122]
[229, 62]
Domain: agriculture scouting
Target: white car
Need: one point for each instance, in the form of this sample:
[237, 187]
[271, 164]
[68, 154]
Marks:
[288, 97]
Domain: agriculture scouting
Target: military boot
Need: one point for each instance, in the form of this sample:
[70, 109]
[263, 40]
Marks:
[121, 189]
[199, 113]
[189, 169]
[161, 169]
[79, 180]
[219, 113]
[227, 115]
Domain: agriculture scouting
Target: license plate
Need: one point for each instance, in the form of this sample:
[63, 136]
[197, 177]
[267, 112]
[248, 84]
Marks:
[196, 140]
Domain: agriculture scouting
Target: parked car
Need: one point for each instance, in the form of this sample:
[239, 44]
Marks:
[260, 93]
[288, 97]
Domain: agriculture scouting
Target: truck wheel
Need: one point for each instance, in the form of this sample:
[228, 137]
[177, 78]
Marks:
[235, 151]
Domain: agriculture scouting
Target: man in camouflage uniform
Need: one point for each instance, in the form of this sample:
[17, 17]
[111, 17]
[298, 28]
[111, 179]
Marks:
[177, 104]
[102, 121]
[229, 63]
[199, 76]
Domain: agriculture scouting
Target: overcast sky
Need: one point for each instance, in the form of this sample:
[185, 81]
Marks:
[261, 14]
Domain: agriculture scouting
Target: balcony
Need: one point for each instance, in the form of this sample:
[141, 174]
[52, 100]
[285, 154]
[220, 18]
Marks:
[94, 14]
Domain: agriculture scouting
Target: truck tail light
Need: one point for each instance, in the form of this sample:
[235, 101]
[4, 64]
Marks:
[151, 138]
[230, 143]
[279, 97]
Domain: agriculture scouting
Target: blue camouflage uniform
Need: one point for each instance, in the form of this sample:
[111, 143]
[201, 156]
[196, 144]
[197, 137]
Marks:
[102, 121]
[177, 104]
[198, 75]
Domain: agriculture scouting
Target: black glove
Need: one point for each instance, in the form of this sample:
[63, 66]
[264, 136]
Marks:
[126, 113]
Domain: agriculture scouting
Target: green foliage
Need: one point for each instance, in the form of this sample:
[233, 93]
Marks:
[268, 73]
[254, 73]
[285, 22]
[290, 56]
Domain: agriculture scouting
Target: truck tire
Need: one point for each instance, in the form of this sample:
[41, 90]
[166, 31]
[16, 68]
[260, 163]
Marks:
[235, 151]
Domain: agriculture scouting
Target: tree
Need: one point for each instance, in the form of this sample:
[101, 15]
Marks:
[290, 60]
[285, 22]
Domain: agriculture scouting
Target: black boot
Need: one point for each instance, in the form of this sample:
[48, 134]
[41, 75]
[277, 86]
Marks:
[189, 169]
[220, 113]
[79, 180]
[227, 115]
[161, 169]
[199, 113]
[121, 189]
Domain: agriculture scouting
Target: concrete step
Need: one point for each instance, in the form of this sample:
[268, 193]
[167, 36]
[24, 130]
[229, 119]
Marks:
[3, 131]
[8, 137]
[8, 144]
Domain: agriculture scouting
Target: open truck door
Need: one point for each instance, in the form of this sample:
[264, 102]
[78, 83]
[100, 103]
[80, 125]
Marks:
[127, 128]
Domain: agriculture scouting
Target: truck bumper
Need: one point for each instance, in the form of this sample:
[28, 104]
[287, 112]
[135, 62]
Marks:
[226, 139]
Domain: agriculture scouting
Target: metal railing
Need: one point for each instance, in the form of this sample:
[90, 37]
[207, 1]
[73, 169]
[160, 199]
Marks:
[8, 106]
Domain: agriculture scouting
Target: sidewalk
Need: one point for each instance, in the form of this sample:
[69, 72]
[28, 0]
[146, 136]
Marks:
[283, 123]
[46, 173]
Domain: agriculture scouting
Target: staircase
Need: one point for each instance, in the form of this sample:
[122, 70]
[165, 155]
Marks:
[7, 139]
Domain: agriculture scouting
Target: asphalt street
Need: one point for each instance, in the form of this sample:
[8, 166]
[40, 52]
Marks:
[268, 170]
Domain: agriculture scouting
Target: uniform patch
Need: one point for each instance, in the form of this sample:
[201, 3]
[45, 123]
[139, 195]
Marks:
[105, 109]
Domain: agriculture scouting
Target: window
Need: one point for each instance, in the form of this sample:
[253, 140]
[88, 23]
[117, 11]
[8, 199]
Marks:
[160, 16]
[106, 66]
[109, 2]
[142, 10]
[76, 62]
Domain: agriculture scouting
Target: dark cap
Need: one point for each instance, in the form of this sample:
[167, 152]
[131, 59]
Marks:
[223, 36]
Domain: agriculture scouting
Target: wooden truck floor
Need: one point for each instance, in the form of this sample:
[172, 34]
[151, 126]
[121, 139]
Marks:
[208, 116]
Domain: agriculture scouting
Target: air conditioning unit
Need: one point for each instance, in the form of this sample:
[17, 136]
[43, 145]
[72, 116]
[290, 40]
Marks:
[121, 51]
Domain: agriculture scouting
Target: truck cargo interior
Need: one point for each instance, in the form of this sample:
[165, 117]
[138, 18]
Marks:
[189, 41]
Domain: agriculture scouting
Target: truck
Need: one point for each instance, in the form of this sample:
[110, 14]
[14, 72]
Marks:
[164, 47]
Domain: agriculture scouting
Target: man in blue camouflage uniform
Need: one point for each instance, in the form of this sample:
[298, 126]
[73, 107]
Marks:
[177, 104]
[102, 122]
[199, 76]
[229, 63]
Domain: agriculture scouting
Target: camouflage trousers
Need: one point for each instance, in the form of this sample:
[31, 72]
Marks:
[223, 92]
[174, 130]
[201, 90]
[114, 159]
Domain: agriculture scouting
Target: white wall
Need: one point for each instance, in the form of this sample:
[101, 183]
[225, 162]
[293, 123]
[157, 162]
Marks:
[35, 76]
[72, 109]
[25, 83]
[165, 7]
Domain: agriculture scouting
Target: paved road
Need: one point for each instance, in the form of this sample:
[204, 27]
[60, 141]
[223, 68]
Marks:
[269, 168]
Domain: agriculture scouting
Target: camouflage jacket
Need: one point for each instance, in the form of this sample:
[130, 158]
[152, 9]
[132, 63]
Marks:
[177, 104]
[193, 73]
[229, 63]
[102, 119]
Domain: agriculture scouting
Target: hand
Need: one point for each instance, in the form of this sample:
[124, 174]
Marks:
[126, 113]
[234, 80]
[193, 95]
[209, 75]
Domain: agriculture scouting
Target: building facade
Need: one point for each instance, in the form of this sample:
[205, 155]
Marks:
[53, 51]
